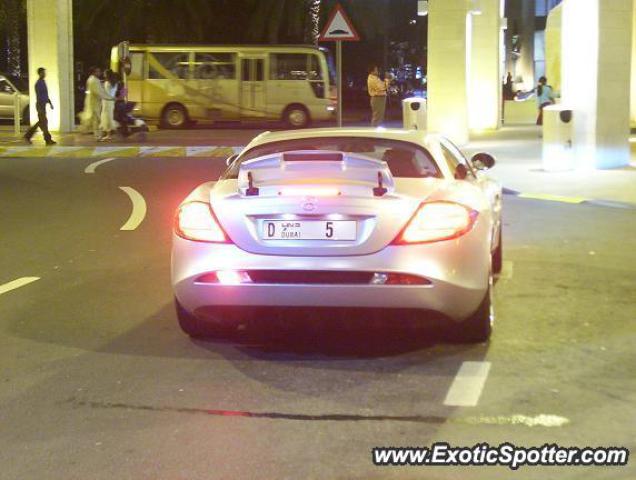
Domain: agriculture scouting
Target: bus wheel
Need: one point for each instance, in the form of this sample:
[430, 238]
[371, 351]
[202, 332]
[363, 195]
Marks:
[296, 116]
[174, 116]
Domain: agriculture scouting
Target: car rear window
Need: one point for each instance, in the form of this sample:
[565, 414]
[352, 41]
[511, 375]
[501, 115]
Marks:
[405, 159]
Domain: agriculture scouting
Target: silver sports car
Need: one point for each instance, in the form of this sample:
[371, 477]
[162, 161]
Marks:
[352, 217]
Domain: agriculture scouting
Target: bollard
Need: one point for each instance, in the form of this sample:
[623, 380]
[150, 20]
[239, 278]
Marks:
[16, 114]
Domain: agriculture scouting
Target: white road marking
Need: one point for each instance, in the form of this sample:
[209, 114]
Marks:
[542, 420]
[199, 151]
[91, 168]
[468, 384]
[506, 270]
[17, 283]
[138, 209]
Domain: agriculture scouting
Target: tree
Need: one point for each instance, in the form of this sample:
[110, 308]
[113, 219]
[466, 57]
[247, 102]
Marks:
[12, 15]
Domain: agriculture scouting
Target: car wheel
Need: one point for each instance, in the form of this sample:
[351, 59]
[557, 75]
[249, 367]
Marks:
[478, 327]
[296, 116]
[174, 116]
[197, 328]
[497, 255]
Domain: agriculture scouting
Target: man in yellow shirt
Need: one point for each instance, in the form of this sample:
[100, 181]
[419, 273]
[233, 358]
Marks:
[377, 92]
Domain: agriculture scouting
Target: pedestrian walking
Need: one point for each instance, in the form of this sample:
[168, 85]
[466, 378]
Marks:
[545, 97]
[42, 99]
[377, 94]
[107, 117]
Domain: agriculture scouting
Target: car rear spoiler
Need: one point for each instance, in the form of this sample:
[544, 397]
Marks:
[304, 172]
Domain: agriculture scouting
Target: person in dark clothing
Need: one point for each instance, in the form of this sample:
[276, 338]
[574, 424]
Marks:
[508, 89]
[42, 98]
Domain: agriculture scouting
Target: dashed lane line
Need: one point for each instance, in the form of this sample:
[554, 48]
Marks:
[467, 385]
[91, 168]
[17, 283]
[138, 212]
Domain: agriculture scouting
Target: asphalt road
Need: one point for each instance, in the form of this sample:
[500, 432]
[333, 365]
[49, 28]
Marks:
[98, 382]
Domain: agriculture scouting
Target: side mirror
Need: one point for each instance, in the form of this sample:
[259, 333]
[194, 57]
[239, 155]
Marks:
[461, 172]
[230, 160]
[483, 161]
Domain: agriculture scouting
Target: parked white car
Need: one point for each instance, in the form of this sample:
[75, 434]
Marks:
[7, 93]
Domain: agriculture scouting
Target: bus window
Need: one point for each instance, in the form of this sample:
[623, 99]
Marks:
[162, 65]
[288, 66]
[259, 70]
[215, 66]
[136, 66]
[315, 72]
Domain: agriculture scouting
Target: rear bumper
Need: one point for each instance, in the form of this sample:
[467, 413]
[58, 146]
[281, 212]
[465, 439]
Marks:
[458, 272]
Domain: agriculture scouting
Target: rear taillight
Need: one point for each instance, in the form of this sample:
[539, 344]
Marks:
[196, 221]
[435, 221]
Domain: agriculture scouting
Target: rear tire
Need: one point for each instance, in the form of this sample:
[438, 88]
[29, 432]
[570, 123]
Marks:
[478, 327]
[296, 116]
[497, 255]
[174, 116]
[197, 328]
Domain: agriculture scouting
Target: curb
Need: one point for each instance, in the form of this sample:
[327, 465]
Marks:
[119, 151]
[546, 197]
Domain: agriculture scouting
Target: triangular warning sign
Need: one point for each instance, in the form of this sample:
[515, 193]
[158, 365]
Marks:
[339, 27]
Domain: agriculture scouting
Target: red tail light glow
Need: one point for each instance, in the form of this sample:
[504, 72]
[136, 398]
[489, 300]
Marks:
[196, 221]
[435, 221]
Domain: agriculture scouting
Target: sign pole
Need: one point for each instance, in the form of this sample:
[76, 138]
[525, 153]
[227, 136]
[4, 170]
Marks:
[338, 29]
[339, 80]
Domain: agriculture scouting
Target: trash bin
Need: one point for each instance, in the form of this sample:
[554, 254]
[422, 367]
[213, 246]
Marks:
[557, 138]
[414, 113]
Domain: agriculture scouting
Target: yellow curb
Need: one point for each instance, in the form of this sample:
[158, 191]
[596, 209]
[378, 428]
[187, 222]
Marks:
[552, 198]
[82, 152]
[163, 152]
[200, 151]
[34, 152]
[222, 152]
[116, 151]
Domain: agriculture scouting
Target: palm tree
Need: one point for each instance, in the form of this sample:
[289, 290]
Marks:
[312, 22]
[12, 15]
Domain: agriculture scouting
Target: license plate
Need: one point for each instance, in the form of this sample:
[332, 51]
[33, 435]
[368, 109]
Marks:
[309, 230]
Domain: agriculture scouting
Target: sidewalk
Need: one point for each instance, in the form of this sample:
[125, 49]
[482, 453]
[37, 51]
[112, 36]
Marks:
[517, 149]
[519, 168]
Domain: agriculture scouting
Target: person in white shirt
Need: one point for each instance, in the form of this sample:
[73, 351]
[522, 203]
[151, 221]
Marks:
[95, 93]
[107, 121]
[377, 93]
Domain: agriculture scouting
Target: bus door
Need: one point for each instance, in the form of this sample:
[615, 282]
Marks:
[253, 86]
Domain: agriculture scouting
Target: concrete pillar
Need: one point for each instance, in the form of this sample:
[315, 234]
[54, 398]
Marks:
[484, 76]
[633, 74]
[553, 48]
[50, 37]
[447, 54]
[596, 42]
